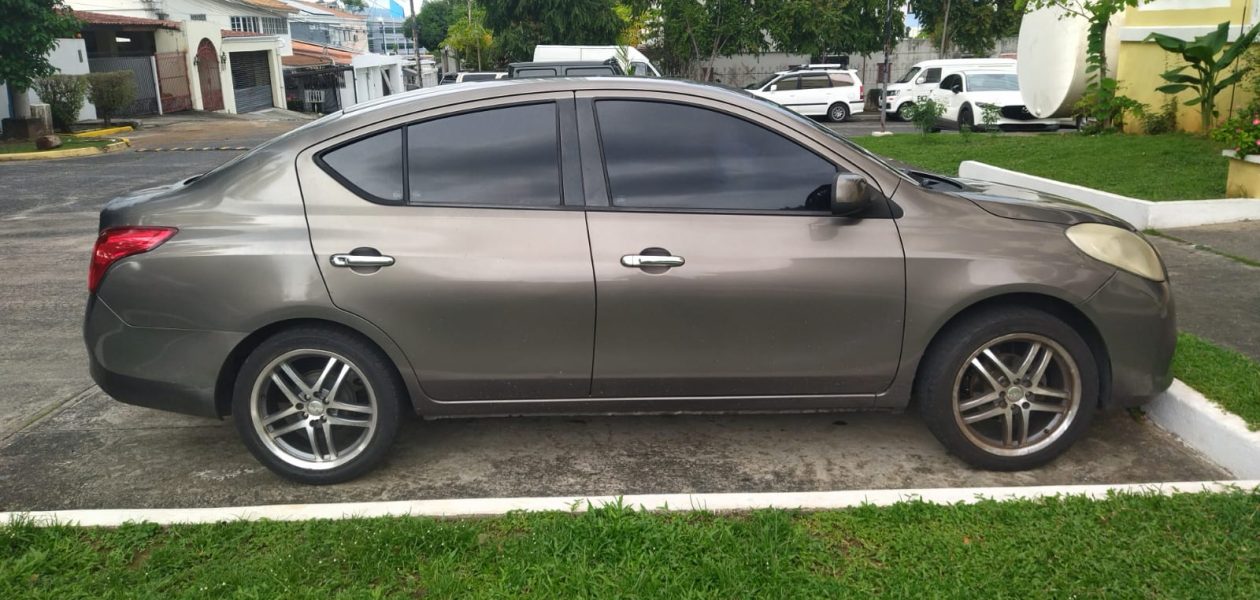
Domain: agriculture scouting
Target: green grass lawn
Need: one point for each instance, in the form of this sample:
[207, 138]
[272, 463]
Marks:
[1140, 546]
[1227, 378]
[1151, 167]
[68, 143]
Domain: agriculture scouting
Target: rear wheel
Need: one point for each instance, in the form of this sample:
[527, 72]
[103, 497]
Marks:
[1008, 389]
[317, 405]
[838, 112]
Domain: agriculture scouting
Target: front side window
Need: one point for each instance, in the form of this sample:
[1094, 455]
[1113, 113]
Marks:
[951, 82]
[502, 156]
[813, 82]
[713, 161]
[788, 83]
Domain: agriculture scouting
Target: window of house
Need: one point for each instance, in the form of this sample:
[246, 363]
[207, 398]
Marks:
[714, 161]
[274, 25]
[952, 81]
[246, 24]
[447, 158]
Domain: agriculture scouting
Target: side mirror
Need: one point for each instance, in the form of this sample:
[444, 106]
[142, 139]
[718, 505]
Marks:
[774, 87]
[921, 81]
[956, 89]
[850, 195]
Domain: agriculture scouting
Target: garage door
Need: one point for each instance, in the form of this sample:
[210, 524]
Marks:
[251, 80]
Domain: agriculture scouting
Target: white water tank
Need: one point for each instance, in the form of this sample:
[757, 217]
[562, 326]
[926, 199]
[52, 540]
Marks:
[1052, 52]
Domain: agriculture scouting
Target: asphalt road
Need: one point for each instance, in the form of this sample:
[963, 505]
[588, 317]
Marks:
[64, 444]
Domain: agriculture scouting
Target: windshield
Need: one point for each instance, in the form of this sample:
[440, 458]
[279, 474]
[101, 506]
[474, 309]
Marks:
[993, 82]
[909, 75]
[761, 84]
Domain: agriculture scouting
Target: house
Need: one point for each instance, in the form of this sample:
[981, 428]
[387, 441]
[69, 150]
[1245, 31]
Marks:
[69, 57]
[1140, 62]
[321, 78]
[229, 50]
[327, 25]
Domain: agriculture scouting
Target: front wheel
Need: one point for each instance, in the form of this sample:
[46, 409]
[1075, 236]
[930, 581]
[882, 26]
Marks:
[838, 112]
[317, 405]
[1008, 389]
[903, 111]
[966, 120]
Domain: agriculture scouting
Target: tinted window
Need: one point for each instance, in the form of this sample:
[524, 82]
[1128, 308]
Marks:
[711, 161]
[503, 156]
[789, 83]
[951, 81]
[813, 82]
[993, 82]
[373, 165]
[479, 77]
[549, 72]
[841, 79]
[932, 75]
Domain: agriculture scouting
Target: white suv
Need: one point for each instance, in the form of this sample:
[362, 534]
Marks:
[815, 91]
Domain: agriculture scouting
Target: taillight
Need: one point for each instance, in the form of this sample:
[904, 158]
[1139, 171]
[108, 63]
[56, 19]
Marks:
[862, 92]
[117, 243]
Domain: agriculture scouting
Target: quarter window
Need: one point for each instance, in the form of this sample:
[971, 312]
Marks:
[503, 156]
[932, 75]
[713, 161]
[841, 80]
[371, 166]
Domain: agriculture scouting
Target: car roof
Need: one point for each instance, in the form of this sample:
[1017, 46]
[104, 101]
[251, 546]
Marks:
[947, 62]
[817, 70]
[987, 72]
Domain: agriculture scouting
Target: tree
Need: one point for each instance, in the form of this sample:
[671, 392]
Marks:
[28, 33]
[1208, 58]
[694, 33]
[435, 19]
[469, 37]
[825, 27]
[972, 26]
[522, 24]
[355, 5]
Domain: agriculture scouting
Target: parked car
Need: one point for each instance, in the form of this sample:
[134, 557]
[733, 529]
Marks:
[612, 245]
[967, 94]
[926, 76]
[815, 91]
[580, 68]
[637, 64]
[465, 76]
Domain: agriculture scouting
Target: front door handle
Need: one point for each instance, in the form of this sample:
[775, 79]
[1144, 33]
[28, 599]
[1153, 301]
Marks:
[361, 260]
[646, 260]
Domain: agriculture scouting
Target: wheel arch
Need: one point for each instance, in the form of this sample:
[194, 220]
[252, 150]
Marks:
[1058, 307]
[225, 382]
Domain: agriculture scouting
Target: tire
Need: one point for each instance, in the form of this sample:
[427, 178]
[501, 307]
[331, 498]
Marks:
[903, 111]
[838, 112]
[966, 119]
[351, 392]
[948, 378]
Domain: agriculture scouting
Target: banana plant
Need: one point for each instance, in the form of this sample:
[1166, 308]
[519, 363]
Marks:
[1204, 57]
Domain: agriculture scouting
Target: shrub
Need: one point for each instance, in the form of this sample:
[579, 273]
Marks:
[1241, 134]
[989, 115]
[925, 112]
[1164, 121]
[64, 95]
[112, 92]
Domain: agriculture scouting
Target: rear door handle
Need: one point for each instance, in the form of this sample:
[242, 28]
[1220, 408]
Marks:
[360, 260]
[645, 260]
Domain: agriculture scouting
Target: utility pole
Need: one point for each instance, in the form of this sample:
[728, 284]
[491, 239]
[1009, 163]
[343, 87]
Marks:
[883, 92]
[415, 40]
[945, 32]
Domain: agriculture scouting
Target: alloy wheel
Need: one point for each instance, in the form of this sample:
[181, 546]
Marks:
[838, 113]
[1017, 394]
[313, 409]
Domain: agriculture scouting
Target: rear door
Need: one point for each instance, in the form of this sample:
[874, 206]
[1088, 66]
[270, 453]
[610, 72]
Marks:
[485, 279]
[815, 94]
[719, 268]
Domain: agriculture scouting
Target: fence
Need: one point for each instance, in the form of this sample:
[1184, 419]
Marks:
[172, 68]
[146, 102]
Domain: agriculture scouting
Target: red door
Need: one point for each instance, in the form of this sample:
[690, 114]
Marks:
[208, 75]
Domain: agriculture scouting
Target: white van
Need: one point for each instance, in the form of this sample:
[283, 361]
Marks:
[639, 65]
[926, 76]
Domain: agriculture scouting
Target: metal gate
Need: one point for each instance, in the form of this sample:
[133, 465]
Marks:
[208, 76]
[173, 81]
[251, 80]
[146, 102]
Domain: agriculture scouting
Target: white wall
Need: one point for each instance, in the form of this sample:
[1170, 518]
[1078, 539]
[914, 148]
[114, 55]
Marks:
[69, 57]
[364, 82]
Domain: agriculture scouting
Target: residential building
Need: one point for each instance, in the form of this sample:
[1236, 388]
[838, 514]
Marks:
[1140, 62]
[327, 25]
[323, 79]
[69, 57]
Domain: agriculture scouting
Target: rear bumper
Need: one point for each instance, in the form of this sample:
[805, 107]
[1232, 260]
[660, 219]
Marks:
[167, 369]
[1137, 321]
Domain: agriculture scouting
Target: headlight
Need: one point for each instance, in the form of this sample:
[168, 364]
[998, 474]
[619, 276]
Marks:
[892, 93]
[1119, 248]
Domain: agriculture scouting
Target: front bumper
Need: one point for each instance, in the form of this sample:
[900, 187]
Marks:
[167, 369]
[1137, 321]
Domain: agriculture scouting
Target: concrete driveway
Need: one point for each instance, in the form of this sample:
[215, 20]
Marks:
[64, 444]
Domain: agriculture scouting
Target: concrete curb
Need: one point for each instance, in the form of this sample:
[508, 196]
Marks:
[1142, 214]
[473, 507]
[119, 144]
[105, 131]
[1221, 436]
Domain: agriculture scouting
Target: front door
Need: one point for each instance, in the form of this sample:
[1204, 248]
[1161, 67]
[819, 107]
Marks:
[462, 249]
[720, 270]
[208, 76]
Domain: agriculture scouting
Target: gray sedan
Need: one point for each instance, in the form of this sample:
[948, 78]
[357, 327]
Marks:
[612, 245]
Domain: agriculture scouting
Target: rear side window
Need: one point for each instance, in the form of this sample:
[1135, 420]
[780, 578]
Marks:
[841, 79]
[479, 77]
[502, 156]
[713, 161]
[813, 82]
[371, 166]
